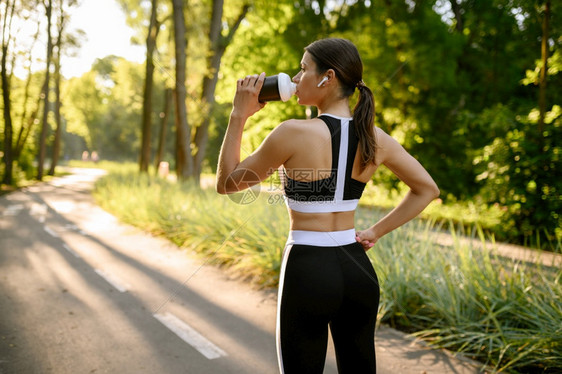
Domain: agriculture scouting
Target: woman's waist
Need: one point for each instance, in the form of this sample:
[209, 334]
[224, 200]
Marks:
[321, 238]
[336, 221]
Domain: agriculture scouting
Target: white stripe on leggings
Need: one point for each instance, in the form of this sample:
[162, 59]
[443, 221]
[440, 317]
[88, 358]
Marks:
[286, 253]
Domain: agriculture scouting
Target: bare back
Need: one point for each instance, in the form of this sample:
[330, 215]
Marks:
[312, 161]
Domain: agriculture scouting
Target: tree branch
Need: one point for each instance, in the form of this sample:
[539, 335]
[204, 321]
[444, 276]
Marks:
[456, 8]
[232, 29]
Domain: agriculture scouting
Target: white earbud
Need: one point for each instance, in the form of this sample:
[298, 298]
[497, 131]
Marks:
[322, 81]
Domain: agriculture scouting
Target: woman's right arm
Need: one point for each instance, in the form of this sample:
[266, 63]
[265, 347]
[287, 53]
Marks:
[234, 174]
[423, 189]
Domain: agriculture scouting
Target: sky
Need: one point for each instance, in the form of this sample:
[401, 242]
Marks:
[106, 31]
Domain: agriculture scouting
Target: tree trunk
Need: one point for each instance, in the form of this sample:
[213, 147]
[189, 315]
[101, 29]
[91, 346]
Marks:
[218, 46]
[7, 112]
[45, 124]
[184, 160]
[58, 131]
[455, 7]
[147, 96]
[544, 68]
[26, 130]
[8, 137]
[163, 126]
[27, 122]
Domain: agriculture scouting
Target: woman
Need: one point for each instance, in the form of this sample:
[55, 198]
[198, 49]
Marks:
[326, 277]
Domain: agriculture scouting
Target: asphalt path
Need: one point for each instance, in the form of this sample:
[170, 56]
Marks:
[82, 293]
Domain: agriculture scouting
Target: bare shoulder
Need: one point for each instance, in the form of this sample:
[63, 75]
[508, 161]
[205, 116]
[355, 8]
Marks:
[381, 135]
[387, 146]
[284, 131]
[298, 124]
[293, 129]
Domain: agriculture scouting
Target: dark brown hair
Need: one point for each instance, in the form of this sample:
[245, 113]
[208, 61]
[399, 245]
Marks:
[342, 56]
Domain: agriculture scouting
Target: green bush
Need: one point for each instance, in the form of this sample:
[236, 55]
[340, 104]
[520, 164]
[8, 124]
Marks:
[522, 172]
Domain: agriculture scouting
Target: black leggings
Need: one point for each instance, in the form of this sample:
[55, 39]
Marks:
[321, 286]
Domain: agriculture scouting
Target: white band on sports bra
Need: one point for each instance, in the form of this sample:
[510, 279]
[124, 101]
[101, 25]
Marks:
[321, 238]
[321, 206]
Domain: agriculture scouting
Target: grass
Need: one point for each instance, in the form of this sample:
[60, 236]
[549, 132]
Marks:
[247, 240]
[504, 313]
[22, 179]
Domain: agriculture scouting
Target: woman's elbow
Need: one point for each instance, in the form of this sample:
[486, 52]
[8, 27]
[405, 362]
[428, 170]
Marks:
[434, 190]
[225, 188]
[220, 187]
[429, 191]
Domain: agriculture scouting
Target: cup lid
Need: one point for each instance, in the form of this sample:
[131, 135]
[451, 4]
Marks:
[286, 87]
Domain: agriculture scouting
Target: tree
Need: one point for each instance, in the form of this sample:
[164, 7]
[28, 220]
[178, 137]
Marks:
[28, 120]
[544, 67]
[168, 96]
[184, 159]
[48, 4]
[61, 23]
[218, 45]
[8, 137]
[152, 34]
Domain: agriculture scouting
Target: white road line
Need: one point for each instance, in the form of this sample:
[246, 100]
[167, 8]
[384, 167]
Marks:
[13, 210]
[189, 335]
[114, 281]
[50, 232]
[63, 206]
[71, 250]
[39, 211]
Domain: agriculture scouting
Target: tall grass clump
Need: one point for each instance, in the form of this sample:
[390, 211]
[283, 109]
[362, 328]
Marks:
[504, 313]
[247, 237]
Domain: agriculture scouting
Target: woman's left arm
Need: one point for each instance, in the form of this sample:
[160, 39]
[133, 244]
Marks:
[233, 175]
[422, 189]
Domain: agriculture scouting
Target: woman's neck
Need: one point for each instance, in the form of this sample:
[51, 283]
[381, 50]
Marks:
[338, 108]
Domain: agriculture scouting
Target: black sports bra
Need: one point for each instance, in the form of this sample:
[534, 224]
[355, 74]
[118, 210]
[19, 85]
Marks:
[338, 192]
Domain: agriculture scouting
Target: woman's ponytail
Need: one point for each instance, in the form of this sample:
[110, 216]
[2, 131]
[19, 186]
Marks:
[363, 120]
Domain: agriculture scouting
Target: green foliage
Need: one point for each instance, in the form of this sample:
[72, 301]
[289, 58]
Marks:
[21, 119]
[502, 312]
[104, 107]
[84, 107]
[23, 170]
[522, 172]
